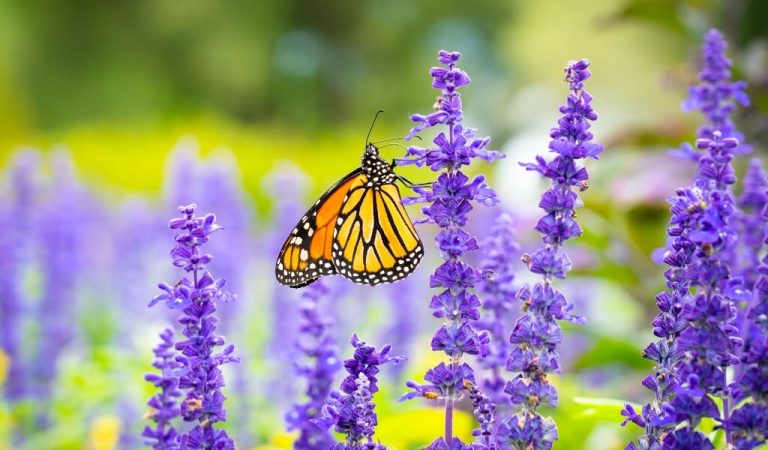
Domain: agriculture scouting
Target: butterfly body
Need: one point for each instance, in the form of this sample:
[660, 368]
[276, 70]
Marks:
[358, 229]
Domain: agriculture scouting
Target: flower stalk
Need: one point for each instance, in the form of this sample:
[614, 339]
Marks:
[450, 199]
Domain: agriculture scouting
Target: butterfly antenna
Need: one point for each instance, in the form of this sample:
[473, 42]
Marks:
[410, 184]
[391, 144]
[372, 124]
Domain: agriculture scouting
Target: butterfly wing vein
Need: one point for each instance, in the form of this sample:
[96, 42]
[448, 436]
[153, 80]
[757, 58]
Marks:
[356, 229]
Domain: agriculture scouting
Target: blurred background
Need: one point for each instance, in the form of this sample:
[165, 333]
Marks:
[113, 113]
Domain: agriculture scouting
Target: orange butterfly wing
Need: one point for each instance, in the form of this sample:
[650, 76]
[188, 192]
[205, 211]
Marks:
[307, 254]
[374, 239]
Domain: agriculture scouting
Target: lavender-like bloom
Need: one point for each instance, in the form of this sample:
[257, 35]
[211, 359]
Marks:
[716, 95]
[16, 219]
[537, 333]
[316, 343]
[403, 327]
[60, 231]
[289, 184]
[450, 201]
[220, 187]
[197, 295]
[699, 339]
[164, 404]
[687, 207]
[748, 424]
[499, 291]
[484, 410]
[751, 203]
[352, 411]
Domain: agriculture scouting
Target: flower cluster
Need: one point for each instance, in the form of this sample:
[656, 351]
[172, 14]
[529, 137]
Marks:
[751, 203]
[16, 216]
[352, 411]
[197, 295]
[484, 410]
[716, 95]
[697, 328]
[61, 228]
[536, 333]
[450, 201]
[748, 423]
[499, 291]
[687, 208]
[316, 343]
[699, 336]
[164, 405]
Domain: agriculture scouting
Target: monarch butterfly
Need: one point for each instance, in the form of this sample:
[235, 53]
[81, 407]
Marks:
[358, 228]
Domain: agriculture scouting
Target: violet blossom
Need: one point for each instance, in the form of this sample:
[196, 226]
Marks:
[16, 219]
[499, 300]
[165, 404]
[197, 296]
[450, 199]
[289, 184]
[537, 333]
[750, 223]
[319, 366]
[748, 424]
[61, 235]
[351, 410]
[697, 319]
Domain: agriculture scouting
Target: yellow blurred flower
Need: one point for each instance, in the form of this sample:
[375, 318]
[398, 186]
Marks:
[413, 429]
[104, 433]
[280, 441]
[5, 364]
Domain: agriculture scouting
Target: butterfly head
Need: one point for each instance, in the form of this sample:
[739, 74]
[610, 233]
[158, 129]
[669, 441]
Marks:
[379, 171]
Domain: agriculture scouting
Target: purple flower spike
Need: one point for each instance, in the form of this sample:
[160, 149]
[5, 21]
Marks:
[318, 366]
[537, 333]
[165, 404]
[748, 423]
[17, 216]
[716, 96]
[751, 203]
[352, 411]
[450, 199]
[197, 295]
[697, 321]
[483, 409]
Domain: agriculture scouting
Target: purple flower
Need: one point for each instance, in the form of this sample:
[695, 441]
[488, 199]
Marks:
[747, 424]
[686, 439]
[461, 306]
[61, 233]
[536, 334]
[318, 367]
[697, 318]
[289, 183]
[716, 96]
[16, 219]
[165, 404]
[444, 381]
[751, 225]
[197, 295]
[450, 199]
[457, 340]
[352, 411]
[547, 262]
[484, 409]
[632, 416]
[453, 444]
[527, 431]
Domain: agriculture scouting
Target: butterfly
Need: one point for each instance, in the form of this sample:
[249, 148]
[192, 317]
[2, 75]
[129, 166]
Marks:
[358, 228]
